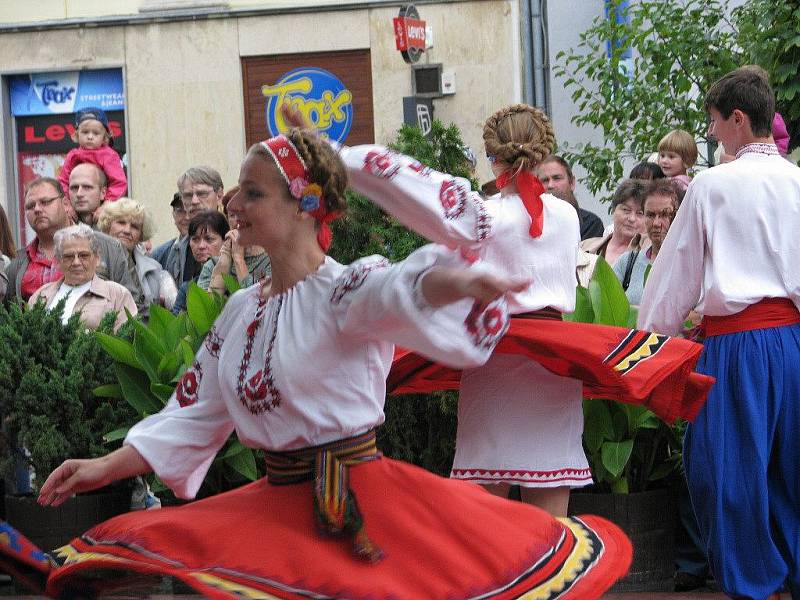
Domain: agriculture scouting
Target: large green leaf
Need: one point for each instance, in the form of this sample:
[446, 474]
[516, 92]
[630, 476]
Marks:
[597, 425]
[610, 305]
[583, 307]
[615, 455]
[203, 309]
[164, 326]
[120, 350]
[231, 283]
[116, 435]
[244, 463]
[136, 388]
[168, 367]
[162, 391]
[110, 390]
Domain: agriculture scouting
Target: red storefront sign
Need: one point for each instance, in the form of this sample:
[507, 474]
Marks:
[409, 33]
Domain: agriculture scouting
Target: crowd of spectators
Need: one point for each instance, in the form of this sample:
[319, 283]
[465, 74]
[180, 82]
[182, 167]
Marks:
[91, 248]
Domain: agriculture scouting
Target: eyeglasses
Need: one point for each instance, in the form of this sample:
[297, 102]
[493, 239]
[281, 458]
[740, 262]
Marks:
[70, 257]
[200, 194]
[667, 214]
[43, 202]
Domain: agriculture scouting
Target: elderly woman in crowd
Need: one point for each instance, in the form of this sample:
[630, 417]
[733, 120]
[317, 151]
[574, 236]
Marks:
[248, 264]
[76, 250]
[207, 231]
[128, 221]
[627, 211]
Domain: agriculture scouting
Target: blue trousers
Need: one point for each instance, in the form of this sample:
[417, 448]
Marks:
[742, 458]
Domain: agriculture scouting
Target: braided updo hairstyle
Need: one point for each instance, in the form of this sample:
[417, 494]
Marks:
[325, 167]
[519, 135]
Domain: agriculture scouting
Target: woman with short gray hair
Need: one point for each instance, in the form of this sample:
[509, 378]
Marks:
[79, 288]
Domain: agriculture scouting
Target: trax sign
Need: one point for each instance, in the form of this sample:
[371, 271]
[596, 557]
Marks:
[409, 33]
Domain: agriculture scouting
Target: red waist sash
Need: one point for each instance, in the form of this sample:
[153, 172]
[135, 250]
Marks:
[631, 366]
[769, 312]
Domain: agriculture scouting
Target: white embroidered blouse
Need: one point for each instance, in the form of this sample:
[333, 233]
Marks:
[444, 210]
[309, 366]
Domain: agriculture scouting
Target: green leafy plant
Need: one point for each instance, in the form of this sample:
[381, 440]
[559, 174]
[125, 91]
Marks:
[769, 33]
[628, 447]
[149, 366]
[48, 372]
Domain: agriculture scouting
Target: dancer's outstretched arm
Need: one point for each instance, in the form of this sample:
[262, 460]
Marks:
[85, 475]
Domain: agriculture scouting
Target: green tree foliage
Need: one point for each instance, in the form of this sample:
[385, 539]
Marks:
[677, 50]
[769, 33]
[48, 372]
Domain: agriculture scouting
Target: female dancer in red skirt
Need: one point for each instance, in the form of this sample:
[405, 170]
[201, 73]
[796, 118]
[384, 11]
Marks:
[297, 366]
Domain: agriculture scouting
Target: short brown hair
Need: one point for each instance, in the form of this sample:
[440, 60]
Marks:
[665, 187]
[630, 189]
[747, 90]
[681, 143]
[51, 181]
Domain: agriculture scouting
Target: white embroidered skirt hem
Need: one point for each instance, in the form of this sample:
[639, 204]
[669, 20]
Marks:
[520, 424]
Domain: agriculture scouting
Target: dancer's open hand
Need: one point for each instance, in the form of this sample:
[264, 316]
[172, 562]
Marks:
[73, 476]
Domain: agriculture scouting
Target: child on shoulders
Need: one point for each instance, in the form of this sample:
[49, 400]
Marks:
[677, 153]
[93, 136]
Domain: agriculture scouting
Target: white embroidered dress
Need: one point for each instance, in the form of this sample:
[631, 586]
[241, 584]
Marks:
[517, 422]
[314, 369]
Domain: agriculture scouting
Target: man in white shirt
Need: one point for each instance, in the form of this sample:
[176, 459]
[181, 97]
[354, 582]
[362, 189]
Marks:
[732, 254]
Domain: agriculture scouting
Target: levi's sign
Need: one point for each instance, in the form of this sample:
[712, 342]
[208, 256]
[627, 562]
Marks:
[409, 33]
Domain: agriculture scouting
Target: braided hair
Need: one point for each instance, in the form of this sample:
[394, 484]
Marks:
[519, 135]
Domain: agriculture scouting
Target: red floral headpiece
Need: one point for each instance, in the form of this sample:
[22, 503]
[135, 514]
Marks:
[295, 172]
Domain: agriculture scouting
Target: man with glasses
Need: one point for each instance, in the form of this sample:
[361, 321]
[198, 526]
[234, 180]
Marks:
[199, 188]
[660, 204]
[46, 210]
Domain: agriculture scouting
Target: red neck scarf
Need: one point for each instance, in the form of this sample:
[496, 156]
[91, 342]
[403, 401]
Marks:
[294, 171]
[530, 191]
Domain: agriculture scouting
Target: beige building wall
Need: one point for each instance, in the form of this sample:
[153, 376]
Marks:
[184, 98]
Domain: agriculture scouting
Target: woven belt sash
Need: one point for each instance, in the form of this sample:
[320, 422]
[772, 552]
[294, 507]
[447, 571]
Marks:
[548, 312]
[335, 505]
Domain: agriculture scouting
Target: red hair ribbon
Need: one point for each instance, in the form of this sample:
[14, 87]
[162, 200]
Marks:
[294, 171]
[530, 191]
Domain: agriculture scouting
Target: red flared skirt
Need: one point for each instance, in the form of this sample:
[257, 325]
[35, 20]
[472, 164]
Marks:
[441, 538]
[637, 367]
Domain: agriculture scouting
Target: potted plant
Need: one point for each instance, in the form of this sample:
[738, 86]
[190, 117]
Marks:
[47, 373]
[635, 457]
